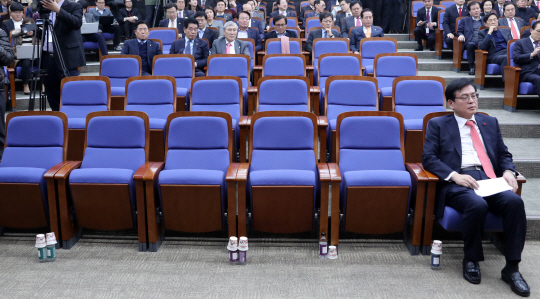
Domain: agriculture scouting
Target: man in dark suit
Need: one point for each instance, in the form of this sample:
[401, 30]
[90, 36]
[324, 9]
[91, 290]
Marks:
[391, 18]
[524, 12]
[494, 40]
[143, 47]
[283, 10]
[127, 17]
[245, 32]
[526, 56]
[67, 20]
[449, 20]
[509, 20]
[352, 21]
[345, 7]
[203, 3]
[311, 6]
[499, 7]
[17, 15]
[183, 13]
[203, 31]
[172, 20]
[366, 30]
[330, 3]
[193, 45]
[465, 147]
[220, 45]
[319, 8]
[468, 33]
[280, 23]
[426, 23]
[327, 32]
[220, 11]
[253, 22]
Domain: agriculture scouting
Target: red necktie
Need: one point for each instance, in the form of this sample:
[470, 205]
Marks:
[358, 22]
[460, 11]
[484, 160]
[515, 34]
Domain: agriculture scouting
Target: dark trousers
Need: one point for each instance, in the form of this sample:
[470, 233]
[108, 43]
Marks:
[470, 47]
[53, 79]
[26, 69]
[128, 29]
[150, 9]
[534, 78]
[199, 73]
[499, 58]
[115, 30]
[474, 209]
[96, 38]
[376, 7]
[449, 41]
[391, 18]
[2, 120]
[420, 34]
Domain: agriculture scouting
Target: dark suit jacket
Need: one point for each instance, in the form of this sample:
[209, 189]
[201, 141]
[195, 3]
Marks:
[131, 47]
[305, 8]
[252, 33]
[526, 33]
[421, 16]
[258, 24]
[346, 25]
[226, 16]
[357, 34]
[488, 43]
[450, 16]
[290, 13]
[122, 13]
[522, 56]
[8, 25]
[520, 23]
[186, 13]
[200, 51]
[496, 8]
[240, 47]
[330, 3]
[525, 14]
[179, 24]
[207, 3]
[465, 28]
[339, 19]
[442, 151]
[210, 35]
[288, 33]
[314, 34]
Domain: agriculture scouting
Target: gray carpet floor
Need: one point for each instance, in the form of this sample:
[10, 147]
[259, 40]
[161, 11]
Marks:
[99, 267]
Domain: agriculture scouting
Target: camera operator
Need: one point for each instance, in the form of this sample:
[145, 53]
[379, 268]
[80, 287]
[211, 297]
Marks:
[66, 18]
[6, 58]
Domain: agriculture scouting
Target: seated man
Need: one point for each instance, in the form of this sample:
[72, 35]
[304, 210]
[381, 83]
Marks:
[345, 8]
[325, 32]
[499, 8]
[526, 56]
[172, 20]
[220, 11]
[253, 22]
[479, 154]
[355, 20]
[494, 40]
[229, 44]
[527, 32]
[449, 20]
[183, 13]
[102, 11]
[203, 31]
[280, 23]
[509, 20]
[366, 30]
[319, 8]
[92, 37]
[426, 23]
[468, 33]
[245, 32]
[524, 12]
[256, 13]
[127, 17]
[193, 45]
[283, 9]
[304, 9]
[143, 47]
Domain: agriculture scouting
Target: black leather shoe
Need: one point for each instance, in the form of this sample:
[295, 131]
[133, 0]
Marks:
[471, 71]
[432, 48]
[517, 283]
[471, 272]
[419, 48]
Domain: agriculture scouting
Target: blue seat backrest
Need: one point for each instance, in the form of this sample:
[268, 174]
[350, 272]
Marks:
[228, 66]
[217, 92]
[115, 142]
[284, 66]
[415, 98]
[352, 93]
[251, 55]
[166, 36]
[336, 66]
[177, 67]
[199, 142]
[447, 4]
[396, 66]
[155, 97]
[512, 63]
[441, 17]
[283, 143]
[271, 92]
[370, 143]
[416, 6]
[312, 23]
[76, 103]
[275, 47]
[329, 46]
[371, 48]
[119, 68]
[34, 141]
[290, 23]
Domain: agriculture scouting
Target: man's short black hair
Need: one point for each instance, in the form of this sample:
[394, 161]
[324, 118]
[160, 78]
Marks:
[534, 25]
[16, 6]
[190, 21]
[200, 14]
[508, 3]
[348, 2]
[353, 3]
[316, 2]
[472, 4]
[486, 17]
[83, 3]
[221, 1]
[279, 17]
[169, 6]
[365, 10]
[139, 23]
[457, 85]
[324, 15]
[243, 12]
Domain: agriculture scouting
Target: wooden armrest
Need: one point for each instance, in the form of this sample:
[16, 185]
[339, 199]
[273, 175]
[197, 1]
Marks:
[64, 172]
[261, 53]
[513, 68]
[322, 121]
[521, 179]
[315, 89]
[151, 172]
[417, 171]
[335, 175]
[310, 67]
[252, 89]
[11, 70]
[305, 52]
[324, 173]
[245, 121]
[51, 172]
[428, 174]
[242, 173]
[257, 67]
[231, 172]
[141, 172]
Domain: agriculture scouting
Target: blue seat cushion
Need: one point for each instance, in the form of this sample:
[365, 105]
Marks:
[369, 68]
[181, 92]
[191, 177]
[77, 123]
[386, 91]
[157, 123]
[118, 91]
[526, 88]
[282, 177]
[413, 124]
[22, 175]
[493, 69]
[302, 108]
[377, 178]
[451, 221]
[101, 176]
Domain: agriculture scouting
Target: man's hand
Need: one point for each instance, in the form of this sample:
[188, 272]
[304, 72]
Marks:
[511, 180]
[51, 5]
[329, 32]
[535, 52]
[431, 24]
[461, 38]
[356, 52]
[420, 23]
[464, 180]
[450, 35]
[491, 29]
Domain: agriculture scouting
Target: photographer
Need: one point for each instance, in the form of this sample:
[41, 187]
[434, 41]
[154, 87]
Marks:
[67, 19]
[6, 58]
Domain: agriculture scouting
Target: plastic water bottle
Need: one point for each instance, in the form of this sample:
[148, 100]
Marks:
[323, 247]
[436, 251]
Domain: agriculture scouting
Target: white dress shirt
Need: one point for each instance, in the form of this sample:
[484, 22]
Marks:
[174, 23]
[242, 34]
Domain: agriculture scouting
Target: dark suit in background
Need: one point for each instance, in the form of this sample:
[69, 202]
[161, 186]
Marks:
[6, 58]
[289, 13]
[499, 10]
[127, 26]
[529, 66]
[466, 29]
[339, 18]
[186, 13]
[488, 43]
[287, 33]
[420, 31]
[346, 25]
[254, 34]
[357, 34]
[67, 27]
[520, 24]
[525, 14]
[179, 24]
[391, 17]
[302, 15]
[8, 25]
[200, 53]
[209, 34]
[376, 7]
[131, 47]
[227, 16]
[314, 34]
[449, 22]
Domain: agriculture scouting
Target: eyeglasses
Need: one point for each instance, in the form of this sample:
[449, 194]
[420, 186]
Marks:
[326, 21]
[280, 25]
[191, 29]
[468, 97]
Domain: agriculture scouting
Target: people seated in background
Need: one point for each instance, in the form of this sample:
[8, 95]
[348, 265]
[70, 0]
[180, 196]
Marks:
[326, 32]
[92, 37]
[256, 14]
[209, 11]
[499, 7]
[142, 47]
[16, 12]
[127, 17]
[194, 6]
[319, 8]
[245, 32]
[526, 57]
[204, 3]
[494, 40]
[524, 12]
[220, 11]
[527, 32]
[193, 45]
[426, 23]
[20, 38]
[509, 20]
[345, 7]
[280, 25]
[4, 6]
[487, 7]
[252, 22]
[355, 20]
[229, 44]
[172, 20]
[283, 9]
[304, 9]
[456, 150]
[535, 5]
[183, 12]
[449, 20]
[468, 33]
[203, 32]
[366, 30]
[102, 11]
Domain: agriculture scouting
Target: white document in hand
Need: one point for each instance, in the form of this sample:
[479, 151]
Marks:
[492, 186]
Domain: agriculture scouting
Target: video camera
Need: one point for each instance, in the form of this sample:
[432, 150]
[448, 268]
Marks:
[37, 6]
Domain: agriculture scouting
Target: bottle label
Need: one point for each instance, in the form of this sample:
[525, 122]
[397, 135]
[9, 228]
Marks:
[235, 256]
[323, 249]
[436, 260]
[39, 254]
